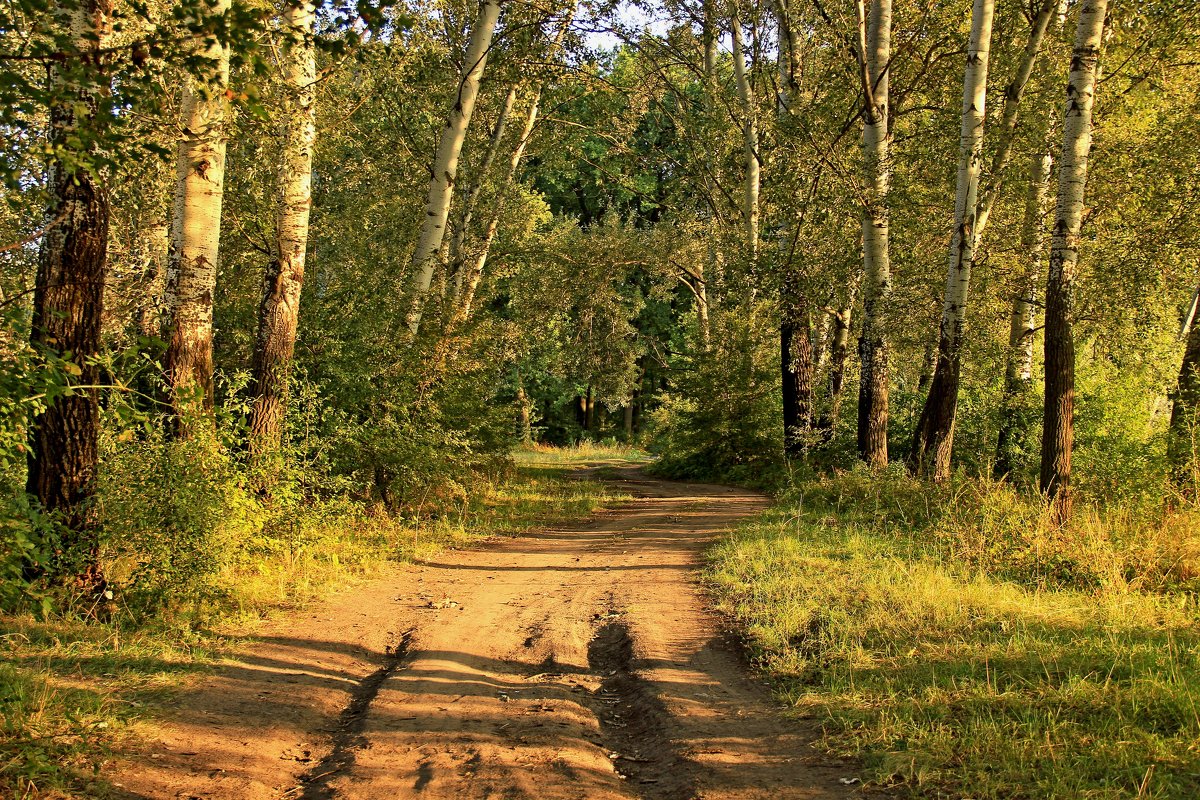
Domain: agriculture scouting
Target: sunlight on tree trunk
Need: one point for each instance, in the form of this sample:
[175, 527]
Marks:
[874, 48]
[445, 162]
[279, 311]
[68, 309]
[934, 437]
[196, 234]
[1058, 431]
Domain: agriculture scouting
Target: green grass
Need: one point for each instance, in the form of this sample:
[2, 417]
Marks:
[589, 453]
[950, 640]
[74, 690]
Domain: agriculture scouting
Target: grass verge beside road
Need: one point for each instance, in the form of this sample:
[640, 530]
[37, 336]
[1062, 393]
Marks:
[962, 647]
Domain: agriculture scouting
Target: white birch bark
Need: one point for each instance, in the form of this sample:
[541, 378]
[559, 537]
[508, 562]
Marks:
[1058, 414]
[934, 436]
[1055, 10]
[445, 162]
[753, 178]
[196, 229]
[875, 47]
[475, 273]
[279, 310]
[454, 255]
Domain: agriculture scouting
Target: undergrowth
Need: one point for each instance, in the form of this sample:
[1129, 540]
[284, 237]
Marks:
[73, 685]
[963, 646]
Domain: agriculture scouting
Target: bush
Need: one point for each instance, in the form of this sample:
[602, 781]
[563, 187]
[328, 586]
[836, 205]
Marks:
[724, 419]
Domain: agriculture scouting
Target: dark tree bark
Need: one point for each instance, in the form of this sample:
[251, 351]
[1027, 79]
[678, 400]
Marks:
[68, 307]
[796, 361]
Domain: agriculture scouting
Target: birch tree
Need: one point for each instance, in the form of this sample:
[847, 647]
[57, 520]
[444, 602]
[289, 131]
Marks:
[445, 161]
[196, 230]
[1018, 369]
[1183, 444]
[752, 184]
[279, 310]
[68, 303]
[934, 436]
[1058, 432]
[874, 53]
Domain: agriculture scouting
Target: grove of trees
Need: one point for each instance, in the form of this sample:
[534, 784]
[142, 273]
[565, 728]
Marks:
[255, 254]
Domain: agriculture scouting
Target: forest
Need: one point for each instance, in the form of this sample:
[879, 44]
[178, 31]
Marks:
[859, 337]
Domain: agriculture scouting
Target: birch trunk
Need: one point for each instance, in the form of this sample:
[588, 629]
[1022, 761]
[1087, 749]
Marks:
[279, 311]
[875, 49]
[796, 360]
[934, 437]
[1058, 431]
[1183, 444]
[1013, 438]
[196, 234]
[1013, 95]
[473, 277]
[795, 324]
[455, 254]
[753, 178]
[68, 307]
[445, 162]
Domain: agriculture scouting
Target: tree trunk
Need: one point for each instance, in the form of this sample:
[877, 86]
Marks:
[1058, 431]
[196, 235]
[875, 51]
[445, 162]
[68, 307]
[279, 311]
[589, 411]
[1050, 10]
[796, 360]
[1183, 443]
[147, 311]
[753, 178]
[524, 430]
[934, 437]
[1013, 438]
[456, 257]
[628, 420]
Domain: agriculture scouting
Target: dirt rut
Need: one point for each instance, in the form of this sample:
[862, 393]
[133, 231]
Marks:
[577, 662]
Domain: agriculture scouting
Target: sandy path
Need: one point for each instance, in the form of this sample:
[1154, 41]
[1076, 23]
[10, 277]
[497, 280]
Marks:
[576, 662]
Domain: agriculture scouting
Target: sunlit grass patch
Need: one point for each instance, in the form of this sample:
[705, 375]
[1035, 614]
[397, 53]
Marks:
[584, 452]
[70, 692]
[957, 673]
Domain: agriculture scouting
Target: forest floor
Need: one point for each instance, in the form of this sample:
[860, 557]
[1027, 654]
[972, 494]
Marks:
[580, 661]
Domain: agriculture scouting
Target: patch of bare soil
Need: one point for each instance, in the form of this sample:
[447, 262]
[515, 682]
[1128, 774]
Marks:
[571, 663]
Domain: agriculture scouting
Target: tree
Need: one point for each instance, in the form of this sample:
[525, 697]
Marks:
[1058, 430]
[874, 58]
[196, 230]
[1182, 449]
[68, 300]
[283, 279]
[934, 436]
[445, 160]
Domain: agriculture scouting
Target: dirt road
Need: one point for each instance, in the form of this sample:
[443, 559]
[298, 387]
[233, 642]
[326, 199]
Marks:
[572, 663]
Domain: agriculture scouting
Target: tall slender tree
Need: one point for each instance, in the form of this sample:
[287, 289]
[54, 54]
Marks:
[1183, 445]
[196, 229]
[934, 436]
[874, 50]
[445, 162]
[279, 310]
[1058, 428]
